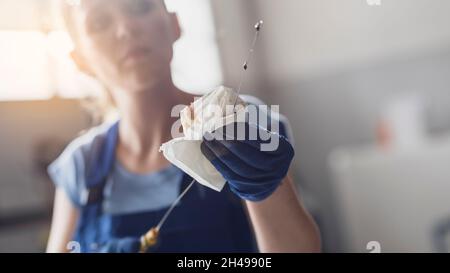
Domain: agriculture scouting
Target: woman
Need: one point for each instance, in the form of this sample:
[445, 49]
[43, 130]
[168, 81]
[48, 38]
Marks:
[112, 183]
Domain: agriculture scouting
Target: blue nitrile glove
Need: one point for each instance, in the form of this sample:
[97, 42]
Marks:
[125, 245]
[253, 174]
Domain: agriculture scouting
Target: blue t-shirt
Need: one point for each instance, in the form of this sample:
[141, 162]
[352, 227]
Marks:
[125, 192]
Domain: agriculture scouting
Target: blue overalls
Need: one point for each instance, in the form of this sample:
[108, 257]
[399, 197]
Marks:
[204, 221]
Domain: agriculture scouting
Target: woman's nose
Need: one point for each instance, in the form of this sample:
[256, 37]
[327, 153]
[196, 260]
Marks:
[126, 28]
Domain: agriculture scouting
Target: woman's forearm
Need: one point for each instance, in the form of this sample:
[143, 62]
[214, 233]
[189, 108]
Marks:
[281, 223]
[65, 217]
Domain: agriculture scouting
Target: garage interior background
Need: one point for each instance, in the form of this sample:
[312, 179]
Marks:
[340, 70]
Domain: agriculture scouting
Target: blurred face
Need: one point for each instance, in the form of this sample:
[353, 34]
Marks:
[125, 43]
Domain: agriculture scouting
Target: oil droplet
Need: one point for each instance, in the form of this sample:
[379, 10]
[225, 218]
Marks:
[259, 25]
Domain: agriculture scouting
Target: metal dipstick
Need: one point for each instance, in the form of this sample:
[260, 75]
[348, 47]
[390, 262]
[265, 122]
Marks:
[258, 27]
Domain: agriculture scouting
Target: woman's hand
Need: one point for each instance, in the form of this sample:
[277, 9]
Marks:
[257, 174]
[252, 170]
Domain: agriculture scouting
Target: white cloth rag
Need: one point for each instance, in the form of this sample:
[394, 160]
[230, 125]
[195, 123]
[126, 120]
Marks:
[206, 114]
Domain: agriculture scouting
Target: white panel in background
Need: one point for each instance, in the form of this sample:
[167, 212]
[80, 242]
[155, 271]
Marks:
[196, 65]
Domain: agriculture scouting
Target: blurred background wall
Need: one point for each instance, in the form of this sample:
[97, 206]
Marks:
[334, 67]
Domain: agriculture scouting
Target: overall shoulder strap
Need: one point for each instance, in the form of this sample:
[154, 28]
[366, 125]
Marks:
[100, 167]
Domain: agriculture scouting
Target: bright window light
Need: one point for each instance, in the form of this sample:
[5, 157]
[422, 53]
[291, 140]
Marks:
[23, 68]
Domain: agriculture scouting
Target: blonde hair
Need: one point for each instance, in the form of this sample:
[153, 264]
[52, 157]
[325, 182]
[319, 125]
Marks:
[103, 107]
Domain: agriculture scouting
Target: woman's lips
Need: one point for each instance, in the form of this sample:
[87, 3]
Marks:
[135, 56]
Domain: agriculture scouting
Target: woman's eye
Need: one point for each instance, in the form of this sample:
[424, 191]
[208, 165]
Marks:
[138, 7]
